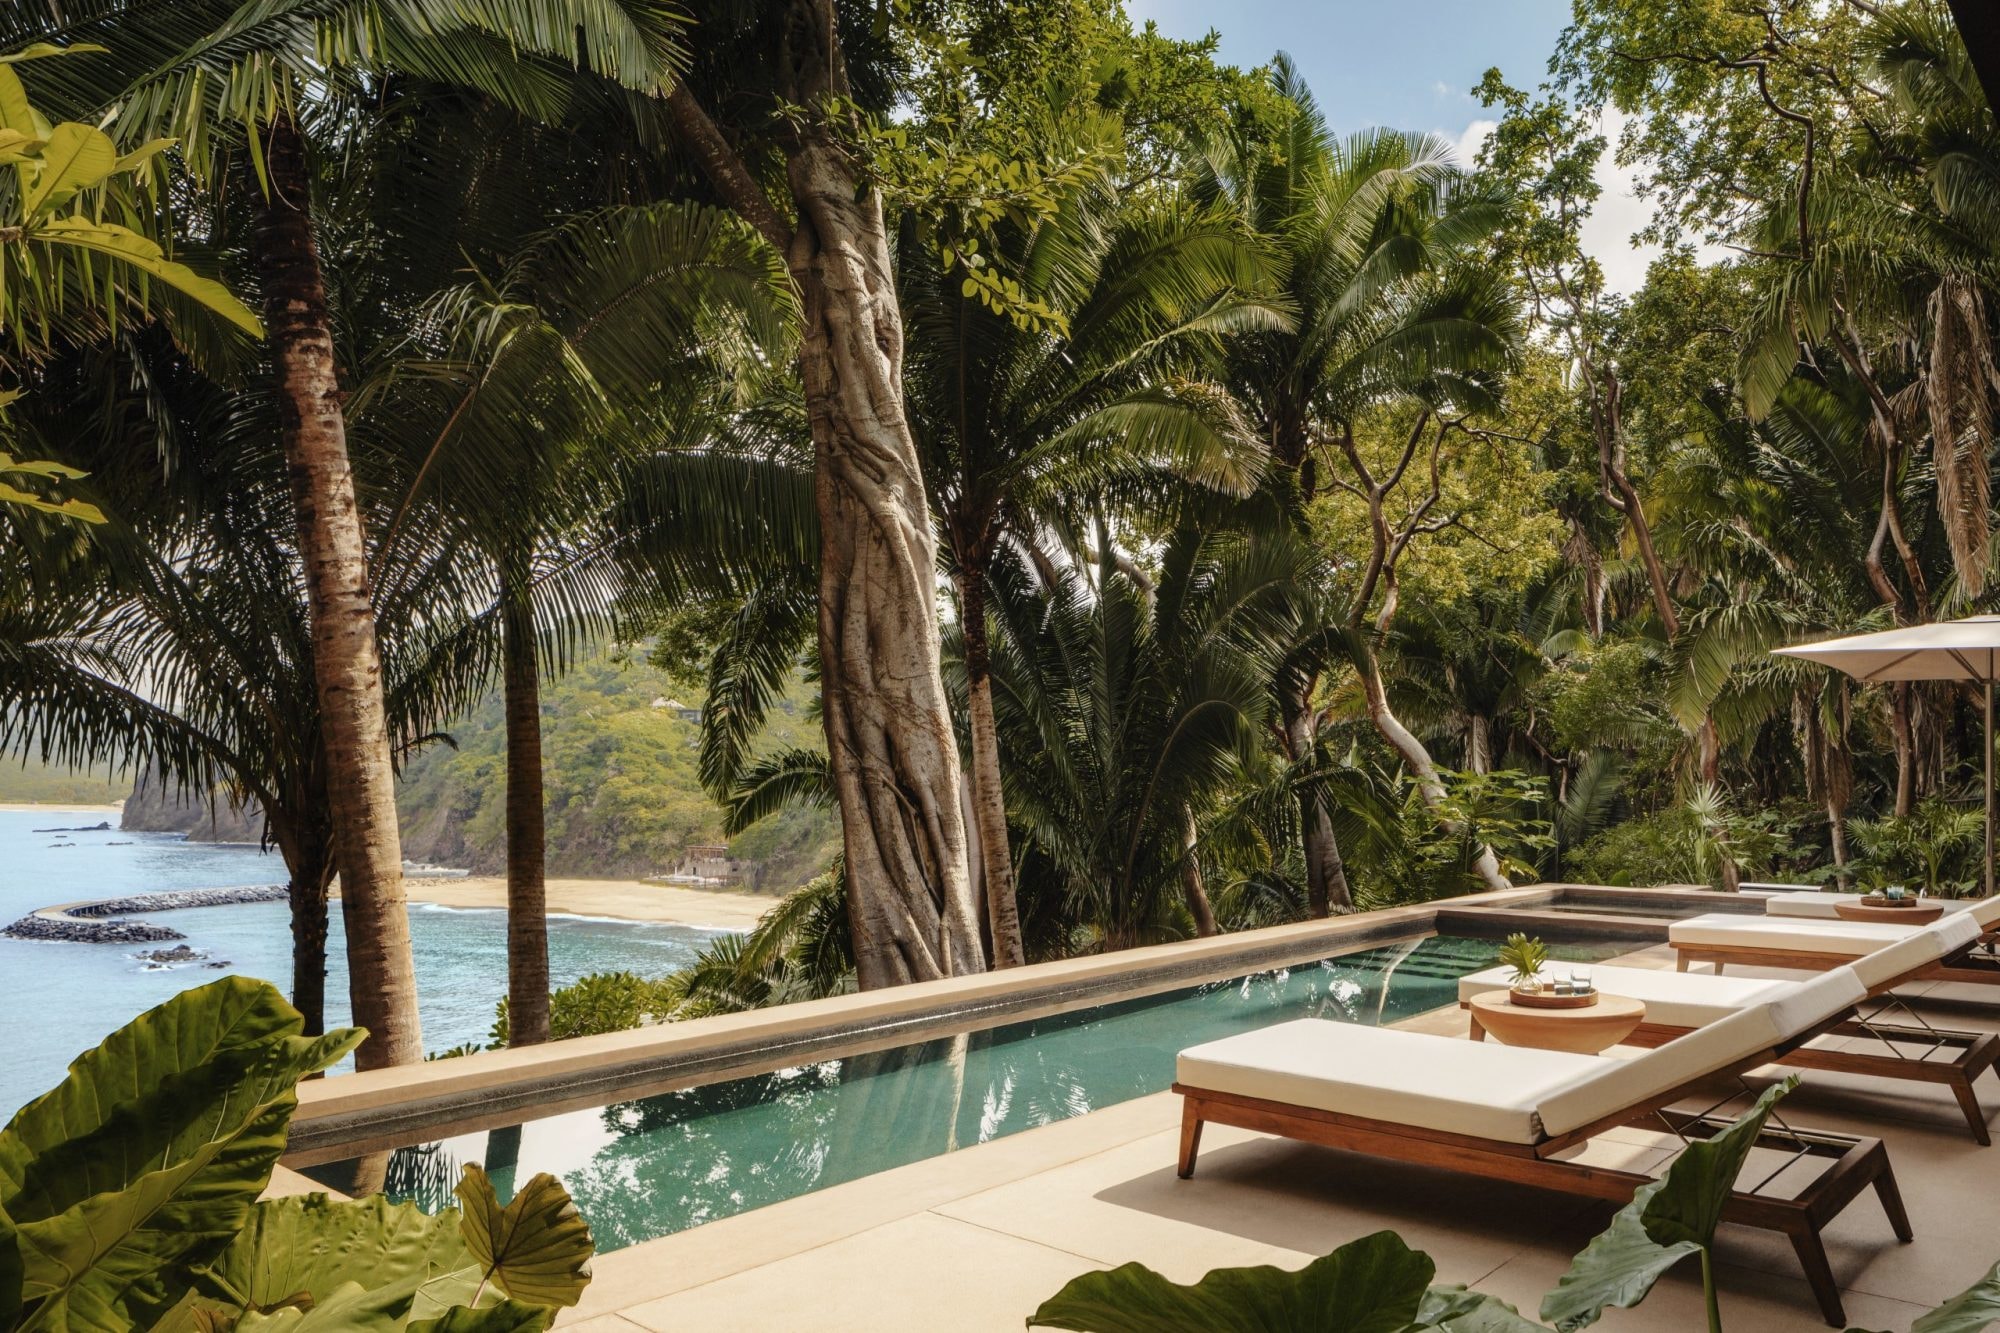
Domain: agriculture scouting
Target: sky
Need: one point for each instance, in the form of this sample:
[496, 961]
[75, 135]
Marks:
[1411, 65]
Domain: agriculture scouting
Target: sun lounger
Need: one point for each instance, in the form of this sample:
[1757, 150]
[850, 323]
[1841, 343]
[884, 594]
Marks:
[1826, 906]
[1914, 1051]
[1507, 1112]
[1809, 945]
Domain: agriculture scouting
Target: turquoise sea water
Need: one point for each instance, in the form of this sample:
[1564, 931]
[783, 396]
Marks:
[58, 998]
[652, 1166]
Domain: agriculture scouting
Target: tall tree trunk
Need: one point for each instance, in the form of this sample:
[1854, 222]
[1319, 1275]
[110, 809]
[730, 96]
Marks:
[889, 736]
[1903, 736]
[890, 745]
[1193, 891]
[1422, 767]
[308, 854]
[1326, 874]
[347, 663]
[989, 807]
[527, 888]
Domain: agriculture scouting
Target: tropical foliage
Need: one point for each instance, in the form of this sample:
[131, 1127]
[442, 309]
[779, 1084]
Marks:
[1051, 459]
[130, 1197]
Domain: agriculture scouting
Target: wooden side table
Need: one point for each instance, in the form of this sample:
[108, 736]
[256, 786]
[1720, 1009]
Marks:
[1586, 1031]
[1921, 915]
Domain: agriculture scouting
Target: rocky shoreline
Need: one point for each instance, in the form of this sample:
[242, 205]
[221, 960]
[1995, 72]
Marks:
[104, 922]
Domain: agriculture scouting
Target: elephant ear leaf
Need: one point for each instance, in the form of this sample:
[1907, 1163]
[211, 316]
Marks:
[295, 1252]
[1975, 1308]
[151, 1152]
[537, 1249]
[506, 1317]
[1667, 1220]
[1373, 1285]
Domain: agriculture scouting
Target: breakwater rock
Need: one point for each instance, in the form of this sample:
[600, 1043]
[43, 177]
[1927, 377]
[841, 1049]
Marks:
[104, 922]
[175, 900]
[72, 931]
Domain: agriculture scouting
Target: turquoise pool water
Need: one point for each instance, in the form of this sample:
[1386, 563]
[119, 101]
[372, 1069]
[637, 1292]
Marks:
[646, 1168]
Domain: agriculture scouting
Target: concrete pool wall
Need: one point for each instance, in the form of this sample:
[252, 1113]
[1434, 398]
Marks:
[352, 1114]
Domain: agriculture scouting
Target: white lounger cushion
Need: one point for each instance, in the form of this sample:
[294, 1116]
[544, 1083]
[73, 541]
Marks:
[1706, 1050]
[1947, 935]
[1672, 999]
[1986, 911]
[1482, 1089]
[1797, 935]
[1826, 905]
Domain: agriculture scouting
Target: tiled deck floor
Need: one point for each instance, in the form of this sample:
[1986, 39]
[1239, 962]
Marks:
[975, 1240]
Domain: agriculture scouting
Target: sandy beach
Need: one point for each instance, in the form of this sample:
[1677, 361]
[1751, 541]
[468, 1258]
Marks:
[627, 899]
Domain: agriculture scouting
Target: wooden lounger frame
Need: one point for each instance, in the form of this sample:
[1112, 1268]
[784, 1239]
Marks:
[1974, 964]
[1856, 1164]
[1973, 1053]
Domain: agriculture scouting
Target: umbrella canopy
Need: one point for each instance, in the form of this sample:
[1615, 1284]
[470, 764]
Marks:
[1966, 649]
[1963, 650]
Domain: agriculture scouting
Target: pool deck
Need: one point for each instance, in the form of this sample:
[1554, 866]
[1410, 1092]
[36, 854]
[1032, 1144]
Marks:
[976, 1239]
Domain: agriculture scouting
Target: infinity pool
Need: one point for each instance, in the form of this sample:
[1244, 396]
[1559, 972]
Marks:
[647, 1168]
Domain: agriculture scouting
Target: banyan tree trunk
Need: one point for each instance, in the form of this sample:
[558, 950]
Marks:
[347, 663]
[889, 737]
[527, 887]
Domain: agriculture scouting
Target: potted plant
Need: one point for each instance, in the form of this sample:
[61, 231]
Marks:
[1526, 957]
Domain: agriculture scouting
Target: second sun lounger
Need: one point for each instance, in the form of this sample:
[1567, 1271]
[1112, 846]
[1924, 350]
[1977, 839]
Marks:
[1915, 1051]
[1810, 945]
[1507, 1112]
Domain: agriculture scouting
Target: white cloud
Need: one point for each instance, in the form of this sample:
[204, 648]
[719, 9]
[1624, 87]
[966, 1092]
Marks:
[1466, 145]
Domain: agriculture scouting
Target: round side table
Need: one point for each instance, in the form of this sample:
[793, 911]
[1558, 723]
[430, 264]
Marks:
[1589, 1030]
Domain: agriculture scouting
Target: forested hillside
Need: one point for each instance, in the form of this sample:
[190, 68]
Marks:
[623, 794]
[38, 782]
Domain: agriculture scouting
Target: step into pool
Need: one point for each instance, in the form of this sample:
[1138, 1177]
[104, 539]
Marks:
[649, 1167]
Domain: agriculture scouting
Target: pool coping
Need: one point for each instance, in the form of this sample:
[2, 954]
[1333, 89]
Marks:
[353, 1114]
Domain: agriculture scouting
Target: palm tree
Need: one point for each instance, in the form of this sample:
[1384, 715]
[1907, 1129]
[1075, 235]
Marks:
[1390, 305]
[1027, 426]
[581, 473]
[1140, 698]
[221, 78]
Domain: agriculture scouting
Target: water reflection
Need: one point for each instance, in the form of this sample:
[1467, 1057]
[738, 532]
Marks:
[651, 1166]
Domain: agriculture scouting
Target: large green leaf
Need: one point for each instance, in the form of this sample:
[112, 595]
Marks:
[152, 1150]
[1975, 1308]
[537, 1248]
[1373, 1285]
[75, 158]
[297, 1251]
[1667, 1220]
[506, 1317]
[129, 247]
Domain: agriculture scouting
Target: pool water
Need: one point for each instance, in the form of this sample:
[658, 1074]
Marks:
[650, 1167]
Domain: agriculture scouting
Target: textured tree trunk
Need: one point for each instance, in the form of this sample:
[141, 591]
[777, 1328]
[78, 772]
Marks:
[1326, 874]
[1193, 891]
[347, 662]
[1479, 744]
[1903, 736]
[888, 726]
[1422, 767]
[309, 868]
[989, 807]
[527, 888]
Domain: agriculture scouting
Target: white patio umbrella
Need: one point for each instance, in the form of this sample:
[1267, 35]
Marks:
[1967, 650]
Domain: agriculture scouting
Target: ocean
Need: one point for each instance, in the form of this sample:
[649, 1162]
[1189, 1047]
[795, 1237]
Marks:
[57, 998]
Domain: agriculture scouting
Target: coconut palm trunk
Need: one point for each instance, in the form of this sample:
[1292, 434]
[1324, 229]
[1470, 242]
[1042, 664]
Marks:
[347, 664]
[989, 809]
[308, 854]
[1194, 891]
[527, 886]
